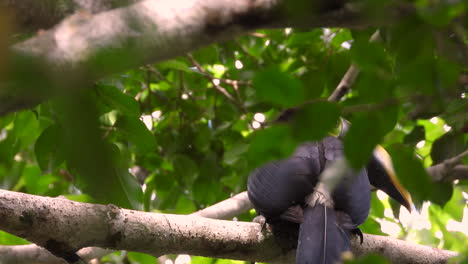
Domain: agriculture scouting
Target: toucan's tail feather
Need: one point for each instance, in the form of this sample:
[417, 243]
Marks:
[321, 240]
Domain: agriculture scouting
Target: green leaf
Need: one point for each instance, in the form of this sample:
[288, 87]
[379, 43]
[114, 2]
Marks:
[278, 88]
[35, 182]
[411, 173]
[357, 150]
[136, 133]
[272, 143]
[341, 36]
[369, 56]
[369, 259]
[94, 163]
[185, 169]
[315, 121]
[367, 130]
[9, 239]
[175, 65]
[131, 188]
[232, 155]
[116, 99]
[416, 135]
[305, 38]
[47, 149]
[455, 206]
[314, 83]
[26, 127]
[140, 258]
[371, 226]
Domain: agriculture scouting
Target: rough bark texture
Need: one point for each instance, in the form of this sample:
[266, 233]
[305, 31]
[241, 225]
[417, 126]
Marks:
[29, 16]
[86, 46]
[63, 225]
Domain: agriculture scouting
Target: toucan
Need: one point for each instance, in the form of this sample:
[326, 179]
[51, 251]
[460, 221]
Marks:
[285, 193]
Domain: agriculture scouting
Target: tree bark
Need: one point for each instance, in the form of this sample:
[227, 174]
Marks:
[29, 16]
[64, 226]
[85, 46]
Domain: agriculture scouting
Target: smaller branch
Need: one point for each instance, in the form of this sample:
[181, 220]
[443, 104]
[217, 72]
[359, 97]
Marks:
[246, 52]
[449, 169]
[228, 208]
[257, 35]
[460, 172]
[345, 84]
[216, 85]
[211, 78]
[158, 74]
[35, 254]
[350, 76]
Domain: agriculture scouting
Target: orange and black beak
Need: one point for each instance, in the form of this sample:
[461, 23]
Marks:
[383, 177]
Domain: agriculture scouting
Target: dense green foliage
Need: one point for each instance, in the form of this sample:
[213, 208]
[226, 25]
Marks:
[187, 131]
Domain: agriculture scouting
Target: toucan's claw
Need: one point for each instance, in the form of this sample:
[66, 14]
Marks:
[261, 220]
[359, 233]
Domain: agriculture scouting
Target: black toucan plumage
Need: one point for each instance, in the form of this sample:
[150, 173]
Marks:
[283, 192]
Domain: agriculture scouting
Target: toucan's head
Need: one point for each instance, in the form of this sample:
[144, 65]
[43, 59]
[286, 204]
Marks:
[383, 177]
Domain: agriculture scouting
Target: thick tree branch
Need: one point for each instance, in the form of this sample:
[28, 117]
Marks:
[226, 209]
[30, 15]
[85, 47]
[60, 224]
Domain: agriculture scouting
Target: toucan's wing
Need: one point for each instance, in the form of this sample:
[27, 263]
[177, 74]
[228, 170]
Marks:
[275, 187]
[353, 197]
[383, 177]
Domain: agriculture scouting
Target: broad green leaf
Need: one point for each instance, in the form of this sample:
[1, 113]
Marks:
[9, 239]
[455, 206]
[115, 99]
[185, 169]
[365, 133]
[35, 182]
[279, 88]
[341, 36]
[305, 38]
[140, 258]
[47, 149]
[371, 226]
[369, 56]
[412, 174]
[7, 119]
[315, 121]
[94, 163]
[136, 133]
[232, 155]
[26, 127]
[314, 83]
[369, 259]
[416, 135]
[367, 130]
[272, 143]
[205, 190]
[175, 65]
[185, 205]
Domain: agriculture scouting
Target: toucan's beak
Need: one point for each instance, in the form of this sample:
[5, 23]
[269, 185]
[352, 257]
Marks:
[382, 176]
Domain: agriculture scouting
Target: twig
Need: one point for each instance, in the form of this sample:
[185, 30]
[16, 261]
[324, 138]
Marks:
[350, 77]
[217, 87]
[246, 52]
[445, 170]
